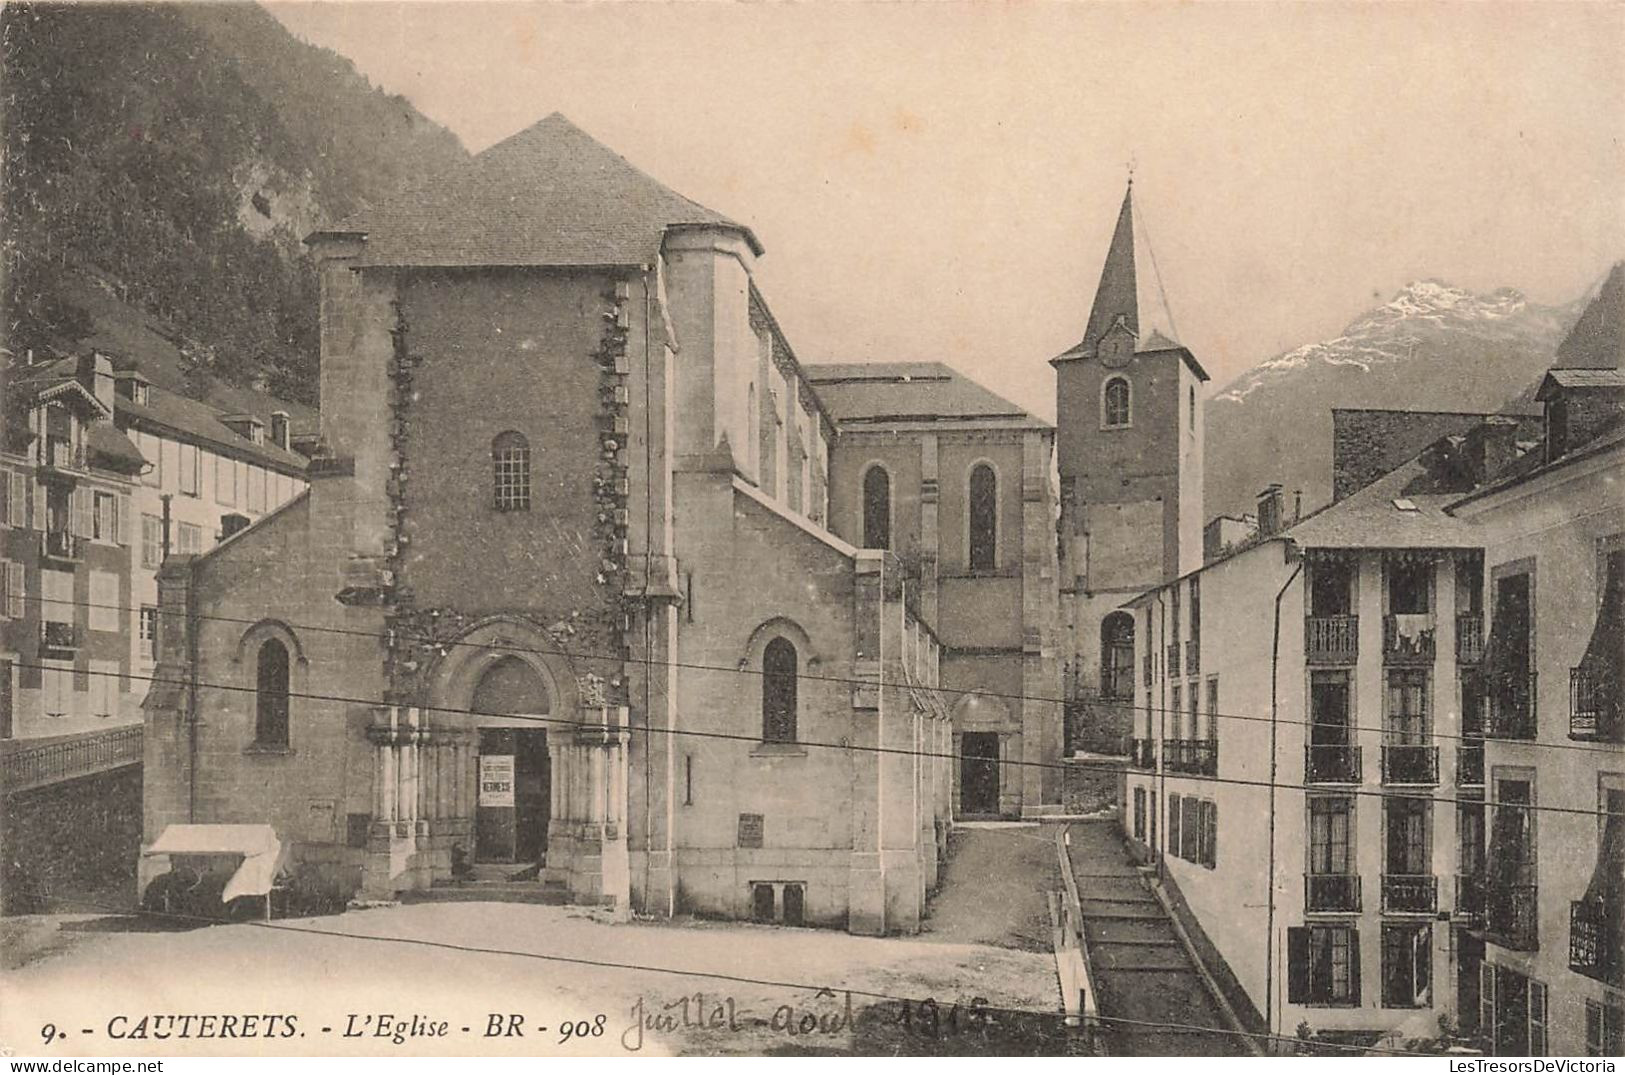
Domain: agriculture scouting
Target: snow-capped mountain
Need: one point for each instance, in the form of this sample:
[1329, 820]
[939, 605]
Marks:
[1431, 347]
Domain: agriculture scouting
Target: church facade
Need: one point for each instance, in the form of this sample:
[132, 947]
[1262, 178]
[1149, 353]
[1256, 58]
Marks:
[564, 590]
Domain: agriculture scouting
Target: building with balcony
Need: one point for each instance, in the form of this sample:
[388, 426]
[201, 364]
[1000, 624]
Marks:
[209, 473]
[1331, 666]
[66, 480]
[1553, 756]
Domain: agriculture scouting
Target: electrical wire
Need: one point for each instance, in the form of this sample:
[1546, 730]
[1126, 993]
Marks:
[1385, 792]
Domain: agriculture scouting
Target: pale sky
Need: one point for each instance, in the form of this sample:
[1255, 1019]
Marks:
[939, 181]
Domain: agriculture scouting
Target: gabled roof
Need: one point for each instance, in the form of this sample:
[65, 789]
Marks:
[202, 424]
[1578, 378]
[549, 195]
[875, 393]
[1387, 514]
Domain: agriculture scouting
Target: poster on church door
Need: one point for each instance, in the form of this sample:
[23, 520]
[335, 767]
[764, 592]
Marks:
[496, 779]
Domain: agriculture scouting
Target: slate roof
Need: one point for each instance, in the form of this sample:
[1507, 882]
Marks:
[1369, 518]
[111, 444]
[549, 195]
[1579, 378]
[880, 392]
[200, 422]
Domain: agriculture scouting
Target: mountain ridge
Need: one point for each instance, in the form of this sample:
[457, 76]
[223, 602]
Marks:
[1431, 346]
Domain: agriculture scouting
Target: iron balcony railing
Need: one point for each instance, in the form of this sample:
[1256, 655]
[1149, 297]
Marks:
[63, 759]
[1409, 893]
[56, 635]
[1193, 657]
[1198, 756]
[1141, 753]
[1331, 893]
[58, 453]
[1511, 918]
[1407, 644]
[1470, 765]
[1469, 904]
[61, 545]
[1596, 930]
[1469, 637]
[1512, 706]
[1331, 639]
[1337, 764]
[1410, 763]
[1595, 705]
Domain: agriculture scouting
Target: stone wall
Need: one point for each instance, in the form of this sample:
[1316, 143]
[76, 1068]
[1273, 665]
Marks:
[78, 839]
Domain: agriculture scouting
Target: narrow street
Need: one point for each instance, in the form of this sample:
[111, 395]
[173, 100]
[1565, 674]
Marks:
[1142, 971]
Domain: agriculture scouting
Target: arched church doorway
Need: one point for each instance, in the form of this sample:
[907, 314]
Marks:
[513, 768]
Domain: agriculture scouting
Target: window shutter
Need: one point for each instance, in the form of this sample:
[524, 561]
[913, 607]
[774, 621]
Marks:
[39, 506]
[16, 590]
[5, 590]
[17, 496]
[1355, 995]
[1213, 834]
[121, 521]
[8, 514]
[1297, 965]
[81, 508]
[1537, 1018]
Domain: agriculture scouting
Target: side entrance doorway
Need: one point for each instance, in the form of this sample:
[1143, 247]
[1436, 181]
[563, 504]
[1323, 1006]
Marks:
[510, 822]
[979, 773]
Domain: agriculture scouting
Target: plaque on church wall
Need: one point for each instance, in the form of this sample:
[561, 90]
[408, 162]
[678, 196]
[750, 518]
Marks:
[750, 830]
[496, 779]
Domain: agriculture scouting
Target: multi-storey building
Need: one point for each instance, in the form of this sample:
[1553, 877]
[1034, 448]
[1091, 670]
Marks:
[561, 593]
[209, 473]
[1307, 761]
[65, 540]
[1129, 435]
[957, 481]
[1551, 898]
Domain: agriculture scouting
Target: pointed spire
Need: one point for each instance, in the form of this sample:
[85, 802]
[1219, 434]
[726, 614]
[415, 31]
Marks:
[1117, 295]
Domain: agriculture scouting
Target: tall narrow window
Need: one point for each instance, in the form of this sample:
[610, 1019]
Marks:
[876, 508]
[779, 692]
[510, 461]
[271, 696]
[1115, 411]
[984, 518]
[1117, 655]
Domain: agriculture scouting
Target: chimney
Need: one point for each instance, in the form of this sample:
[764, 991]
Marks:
[96, 374]
[1492, 446]
[1297, 504]
[279, 429]
[232, 523]
[1269, 510]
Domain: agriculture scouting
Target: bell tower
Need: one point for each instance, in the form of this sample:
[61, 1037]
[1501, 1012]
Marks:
[1129, 429]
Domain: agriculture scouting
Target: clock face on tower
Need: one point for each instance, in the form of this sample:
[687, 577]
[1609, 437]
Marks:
[1116, 348]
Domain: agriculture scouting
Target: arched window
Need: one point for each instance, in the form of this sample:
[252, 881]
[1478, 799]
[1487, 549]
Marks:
[1117, 655]
[876, 508]
[1114, 403]
[779, 692]
[510, 462]
[984, 518]
[271, 696]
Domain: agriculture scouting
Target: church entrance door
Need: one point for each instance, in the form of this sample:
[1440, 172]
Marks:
[979, 773]
[511, 817]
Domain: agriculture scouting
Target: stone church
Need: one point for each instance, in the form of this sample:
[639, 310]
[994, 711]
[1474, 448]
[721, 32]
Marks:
[568, 587]
[1129, 453]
